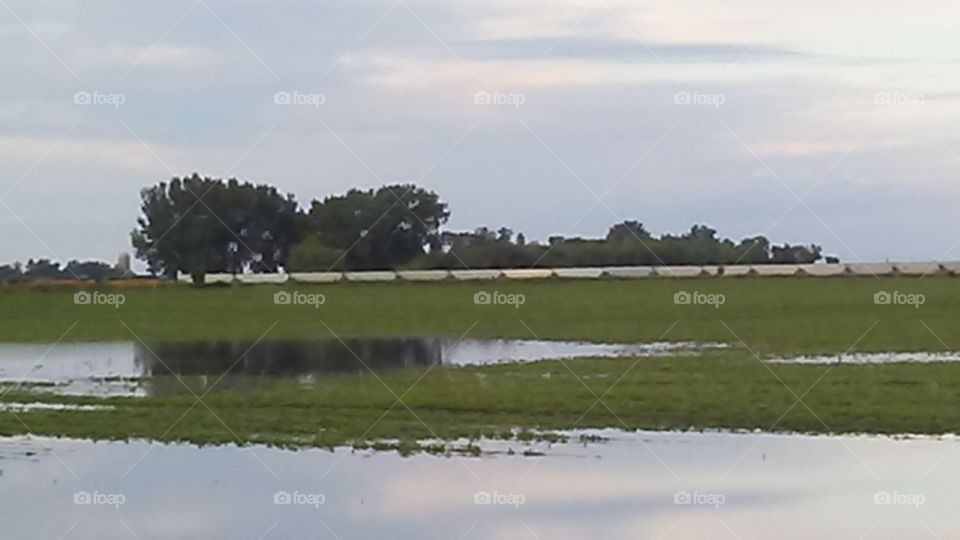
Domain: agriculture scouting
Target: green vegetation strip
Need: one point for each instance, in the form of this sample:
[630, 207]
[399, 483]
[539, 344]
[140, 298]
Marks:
[723, 390]
[772, 315]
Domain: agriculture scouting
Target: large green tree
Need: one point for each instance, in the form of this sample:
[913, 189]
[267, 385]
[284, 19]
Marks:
[198, 225]
[382, 228]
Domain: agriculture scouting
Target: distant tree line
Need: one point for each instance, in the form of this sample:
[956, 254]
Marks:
[198, 225]
[45, 269]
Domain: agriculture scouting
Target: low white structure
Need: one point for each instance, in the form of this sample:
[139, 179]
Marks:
[528, 273]
[424, 275]
[710, 270]
[473, 275]
[370, 276]
[679, 271]
[774, 269]
[918, 269]
[578, 273]
[619, 272]
[870, 269]
[734, 270]
[257, 279]
[217, 279]
[952, 267]
[316, 277]
[628, 272]
[822, 270]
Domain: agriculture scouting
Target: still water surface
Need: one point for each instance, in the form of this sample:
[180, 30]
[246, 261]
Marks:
[644, 485]
[118, 368]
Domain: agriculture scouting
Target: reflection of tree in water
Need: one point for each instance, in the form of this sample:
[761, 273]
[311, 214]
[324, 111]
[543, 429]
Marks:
[287, 358]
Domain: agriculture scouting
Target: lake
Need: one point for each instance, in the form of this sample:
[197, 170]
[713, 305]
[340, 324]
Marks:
[635, 485]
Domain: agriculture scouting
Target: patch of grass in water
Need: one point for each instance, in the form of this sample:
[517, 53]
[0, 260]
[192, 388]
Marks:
[725, 390]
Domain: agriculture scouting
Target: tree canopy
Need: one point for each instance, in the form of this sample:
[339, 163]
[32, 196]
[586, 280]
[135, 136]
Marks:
[198, 225]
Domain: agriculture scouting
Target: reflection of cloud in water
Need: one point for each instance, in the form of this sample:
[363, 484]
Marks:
[794, 487]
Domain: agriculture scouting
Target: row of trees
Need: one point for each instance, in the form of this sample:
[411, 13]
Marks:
[626, 244]
[45, 269]
[198, 225]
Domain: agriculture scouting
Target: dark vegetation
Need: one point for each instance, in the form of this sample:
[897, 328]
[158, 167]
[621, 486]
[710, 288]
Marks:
[198, 225]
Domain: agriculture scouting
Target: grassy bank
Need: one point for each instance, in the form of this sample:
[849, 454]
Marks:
[720, 391]
[770, 314]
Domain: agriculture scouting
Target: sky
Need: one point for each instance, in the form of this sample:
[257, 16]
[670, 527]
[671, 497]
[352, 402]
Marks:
[802, 120]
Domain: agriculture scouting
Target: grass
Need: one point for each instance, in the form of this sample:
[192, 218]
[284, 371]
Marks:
[772, 315]
[723, 390]
[728, 389]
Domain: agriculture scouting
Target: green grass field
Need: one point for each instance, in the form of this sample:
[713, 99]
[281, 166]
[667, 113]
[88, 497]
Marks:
[772, 315]
[720, 391]
[726, 389]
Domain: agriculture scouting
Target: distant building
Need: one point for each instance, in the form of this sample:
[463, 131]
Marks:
[123, 262]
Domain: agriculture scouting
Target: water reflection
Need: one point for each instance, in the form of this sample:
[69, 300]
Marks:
[122, 368]
[647, 485]
[872, 358]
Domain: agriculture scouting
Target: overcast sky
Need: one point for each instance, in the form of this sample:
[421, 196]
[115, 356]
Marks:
[807, 121]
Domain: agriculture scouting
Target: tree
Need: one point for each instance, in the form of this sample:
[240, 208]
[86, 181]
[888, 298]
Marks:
[95, 270]
[628, 230]
[199, 225]
[312, 255]
[382, 228]
[43, 269]
[788, 254]
[10, 272]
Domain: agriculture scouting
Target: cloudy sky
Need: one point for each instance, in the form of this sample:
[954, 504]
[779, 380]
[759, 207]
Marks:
[805, 120]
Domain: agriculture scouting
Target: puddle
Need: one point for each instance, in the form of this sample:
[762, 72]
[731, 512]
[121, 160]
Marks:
[635, 485]
[872, 358]
[122, 368]
[30, 407]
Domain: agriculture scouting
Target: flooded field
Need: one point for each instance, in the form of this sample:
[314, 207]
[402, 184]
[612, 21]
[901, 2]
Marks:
[924, 357]
[634, 485]
[124, 368]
